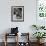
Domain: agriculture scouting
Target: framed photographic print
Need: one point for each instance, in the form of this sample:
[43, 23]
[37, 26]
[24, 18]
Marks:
[17, 13]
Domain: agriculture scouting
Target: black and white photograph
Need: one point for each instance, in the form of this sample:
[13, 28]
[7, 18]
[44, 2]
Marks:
[17, 13]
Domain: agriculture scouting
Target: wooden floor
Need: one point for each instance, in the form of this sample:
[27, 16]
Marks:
[13, 44]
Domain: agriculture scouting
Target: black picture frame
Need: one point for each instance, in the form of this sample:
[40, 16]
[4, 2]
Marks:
[17, 13]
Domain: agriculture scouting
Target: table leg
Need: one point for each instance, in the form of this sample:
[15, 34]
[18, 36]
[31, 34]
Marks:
[5, 40]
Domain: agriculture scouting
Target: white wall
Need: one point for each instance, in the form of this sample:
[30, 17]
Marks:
[29, 15]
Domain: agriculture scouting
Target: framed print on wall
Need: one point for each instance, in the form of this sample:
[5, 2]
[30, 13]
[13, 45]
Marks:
[41, 8]
[41, 12]
[17, 13]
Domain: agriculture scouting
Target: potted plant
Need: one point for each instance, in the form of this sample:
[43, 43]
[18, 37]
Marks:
[39, 35]
[38, 27]
[35, 26]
